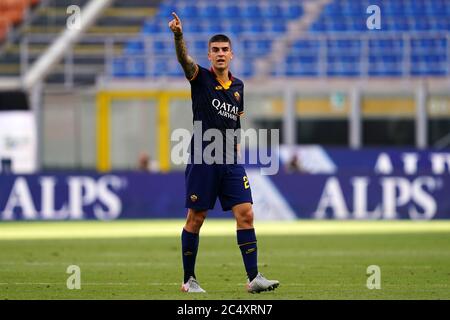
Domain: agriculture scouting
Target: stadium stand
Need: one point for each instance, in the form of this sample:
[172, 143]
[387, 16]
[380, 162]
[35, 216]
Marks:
[252, 25]
[413, 41]
[118, 23]
[131, 39]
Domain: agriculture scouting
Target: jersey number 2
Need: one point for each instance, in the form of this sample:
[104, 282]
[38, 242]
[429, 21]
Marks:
[246, 183]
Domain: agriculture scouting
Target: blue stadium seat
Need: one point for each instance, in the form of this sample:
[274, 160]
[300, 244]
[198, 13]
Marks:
[435, 9]
[353, 9]
[135, 46]
[165, 10]
[386, 43]
[391, 58]
[440, 43]
[305, 44]
[214, 27]
[394, 9]
[201, 46]
[272, 11]
[278, 26]
[247, 44]
[337, 25]
[159, 47]
[302, 69]
[440, 25]
[234, 28]
[422, 24]
[375, 58]
[294, 11]
[332, 9]
[251, 11]
[188, 11]
[343, 70]
[164, 28]
[379, 67]
[308, 59]
[357, 25]
[159, 68]
[248, 69]
[417, 58]
[415, 9]
[401, 24]
[318, 26]
[436, 65]
[119, 67]
[151, 27]
[385, 71]
[192, 27]
[256, 27]
[231, 11]
[137, 68]
[265, 44]
[175, 70]
[209, 11]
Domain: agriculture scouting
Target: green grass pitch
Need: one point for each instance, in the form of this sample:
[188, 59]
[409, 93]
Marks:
[142, 259]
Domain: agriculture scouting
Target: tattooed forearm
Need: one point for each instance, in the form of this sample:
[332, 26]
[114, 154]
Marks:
[187, 63]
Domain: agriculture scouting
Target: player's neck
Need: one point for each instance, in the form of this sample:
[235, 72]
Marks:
[222, 74]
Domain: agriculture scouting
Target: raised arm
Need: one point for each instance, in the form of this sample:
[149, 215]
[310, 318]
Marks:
[187, 63]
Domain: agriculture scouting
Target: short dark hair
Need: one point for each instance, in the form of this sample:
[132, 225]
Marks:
[219, 38]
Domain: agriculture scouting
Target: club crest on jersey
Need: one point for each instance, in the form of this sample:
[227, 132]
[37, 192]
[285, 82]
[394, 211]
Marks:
[237, 96]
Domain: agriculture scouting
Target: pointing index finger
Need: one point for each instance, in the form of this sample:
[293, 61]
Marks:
[175, 16]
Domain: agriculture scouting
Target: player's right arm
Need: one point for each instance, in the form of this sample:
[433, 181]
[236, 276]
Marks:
[188, 64]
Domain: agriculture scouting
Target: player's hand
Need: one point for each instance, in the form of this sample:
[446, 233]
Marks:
[175, 24]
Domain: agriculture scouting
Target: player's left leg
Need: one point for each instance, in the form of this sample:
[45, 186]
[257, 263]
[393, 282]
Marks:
[246, 238]
[189, 244]
[235, 194]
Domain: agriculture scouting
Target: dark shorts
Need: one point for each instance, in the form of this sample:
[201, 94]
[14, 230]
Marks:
[204, 183]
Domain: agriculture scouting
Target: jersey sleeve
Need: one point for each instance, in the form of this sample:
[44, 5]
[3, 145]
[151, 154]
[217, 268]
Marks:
[241, 104]
[240, 113]
[198, 76]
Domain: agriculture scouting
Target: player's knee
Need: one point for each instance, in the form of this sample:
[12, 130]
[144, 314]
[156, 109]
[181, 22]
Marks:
[246, 218]
[195, 220]
[198, 220]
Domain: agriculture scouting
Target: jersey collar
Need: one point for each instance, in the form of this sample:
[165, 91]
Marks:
[225, 85]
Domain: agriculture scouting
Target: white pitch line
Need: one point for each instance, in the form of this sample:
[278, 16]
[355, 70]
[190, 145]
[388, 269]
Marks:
[387, 287]
[115, 264]
[91, 283]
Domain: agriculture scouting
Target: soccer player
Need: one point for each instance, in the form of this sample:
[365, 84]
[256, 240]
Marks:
[217, 102]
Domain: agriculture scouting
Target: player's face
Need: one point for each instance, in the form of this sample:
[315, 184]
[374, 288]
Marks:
[220, 55]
